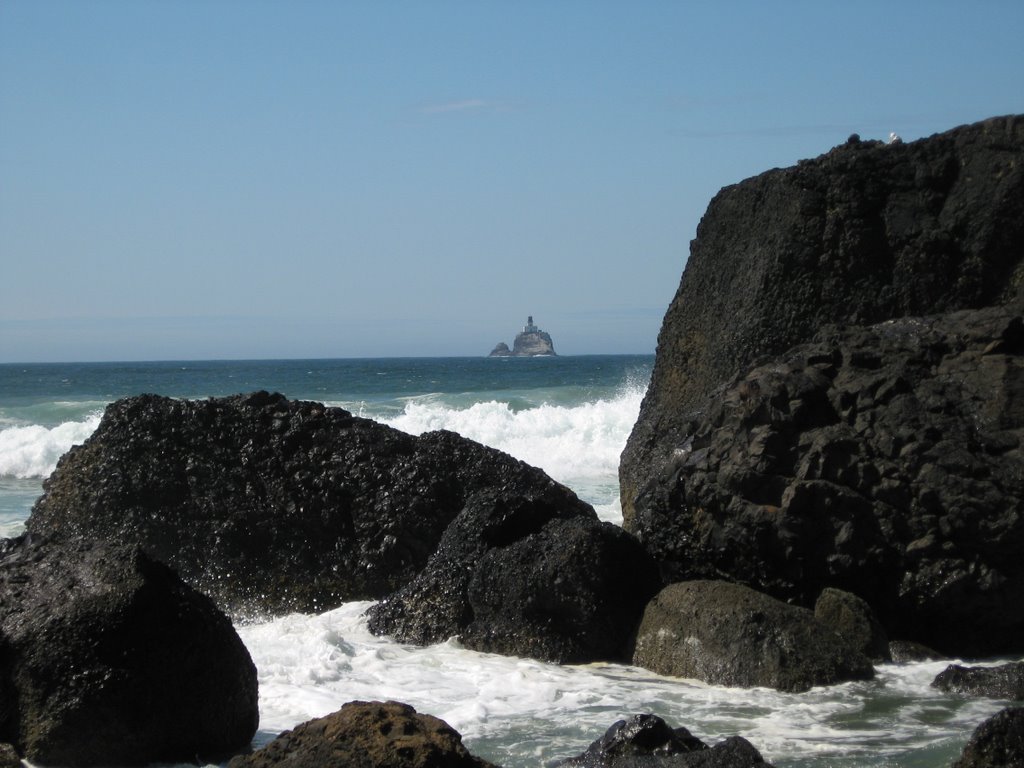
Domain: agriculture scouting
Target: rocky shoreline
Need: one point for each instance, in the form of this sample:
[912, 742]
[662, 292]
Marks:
[827, 471]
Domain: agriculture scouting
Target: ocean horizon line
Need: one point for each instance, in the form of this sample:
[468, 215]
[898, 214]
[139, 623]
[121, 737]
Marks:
[176, 361]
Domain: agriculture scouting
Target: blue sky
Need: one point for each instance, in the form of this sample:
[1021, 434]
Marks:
[246, 179]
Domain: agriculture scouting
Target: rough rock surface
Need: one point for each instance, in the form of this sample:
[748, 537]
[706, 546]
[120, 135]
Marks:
[646, 741]
[905, 651]
[366, 735]
[1005, 681]
[865, 233]
[533, 344]
[270, 505]
[9, 756]
[883, 460]
[108, 658]
[516, 575]
[501, 350]
[996, 743]
[728, 634]
[853, 619]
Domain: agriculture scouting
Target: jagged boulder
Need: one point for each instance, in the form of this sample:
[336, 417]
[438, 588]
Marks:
[865, 233]
[728, 634]
[996, 743]
[515, 575]
[108, 658]
[271, 505]
[647, 741]
[883, 460]
[1005, 681]
[367, 734]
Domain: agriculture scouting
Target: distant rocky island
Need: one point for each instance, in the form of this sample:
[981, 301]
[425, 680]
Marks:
[531, 342]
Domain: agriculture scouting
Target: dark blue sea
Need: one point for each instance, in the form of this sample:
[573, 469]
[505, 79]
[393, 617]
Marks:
[570, 416]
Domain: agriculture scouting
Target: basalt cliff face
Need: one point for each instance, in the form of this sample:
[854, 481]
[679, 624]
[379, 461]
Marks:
[882, 459]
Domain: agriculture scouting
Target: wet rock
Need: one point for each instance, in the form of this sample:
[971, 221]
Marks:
[862, 234]
[996, 743]
[905, 651]
[882, 460]
[367, 735]
[728, 634]
[514, 575]
[640, 736]
[646, 741]
[1005, 681]
[272, 506]
[108, 658]
[853, 620]
[9, 757]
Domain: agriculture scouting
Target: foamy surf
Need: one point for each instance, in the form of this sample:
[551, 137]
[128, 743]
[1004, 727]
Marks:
[521, 712]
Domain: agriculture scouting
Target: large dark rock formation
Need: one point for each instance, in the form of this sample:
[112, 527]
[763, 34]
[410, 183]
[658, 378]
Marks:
[1005, 681]
[865, 233]
[996, 743]
[517, 575]
[108, 658]
[728, 634]
[366, 735]
[646, 741]
[271, 505]
[885, 460]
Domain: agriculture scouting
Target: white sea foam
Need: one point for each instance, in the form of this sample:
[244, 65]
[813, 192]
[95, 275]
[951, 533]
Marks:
[520, 712]
[33, 451]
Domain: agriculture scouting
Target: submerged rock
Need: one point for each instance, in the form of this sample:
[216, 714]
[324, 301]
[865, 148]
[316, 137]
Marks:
[368, 735]
[108, 658]
[885, 460]
[862, 234]
[515, 575]
[271, 505]
[1005, 681]
[647, 741]
[996, 743]
[728, 634]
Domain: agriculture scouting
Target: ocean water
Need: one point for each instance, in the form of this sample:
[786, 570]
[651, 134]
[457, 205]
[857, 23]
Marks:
[568, 415]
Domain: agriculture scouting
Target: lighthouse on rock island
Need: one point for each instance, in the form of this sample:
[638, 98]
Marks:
[531, 342]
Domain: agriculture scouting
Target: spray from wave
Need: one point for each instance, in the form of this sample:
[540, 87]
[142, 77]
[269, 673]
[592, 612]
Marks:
[577, 445]
[32, 451]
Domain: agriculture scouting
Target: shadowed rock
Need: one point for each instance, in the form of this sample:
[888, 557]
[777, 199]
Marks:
[270, 505]
[996, 743]
[728, 634]
[646, 741]
[108, 658]
[514, 575]
[366, 735]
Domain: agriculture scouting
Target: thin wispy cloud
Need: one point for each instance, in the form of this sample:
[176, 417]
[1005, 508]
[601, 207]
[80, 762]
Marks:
[466, 106]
